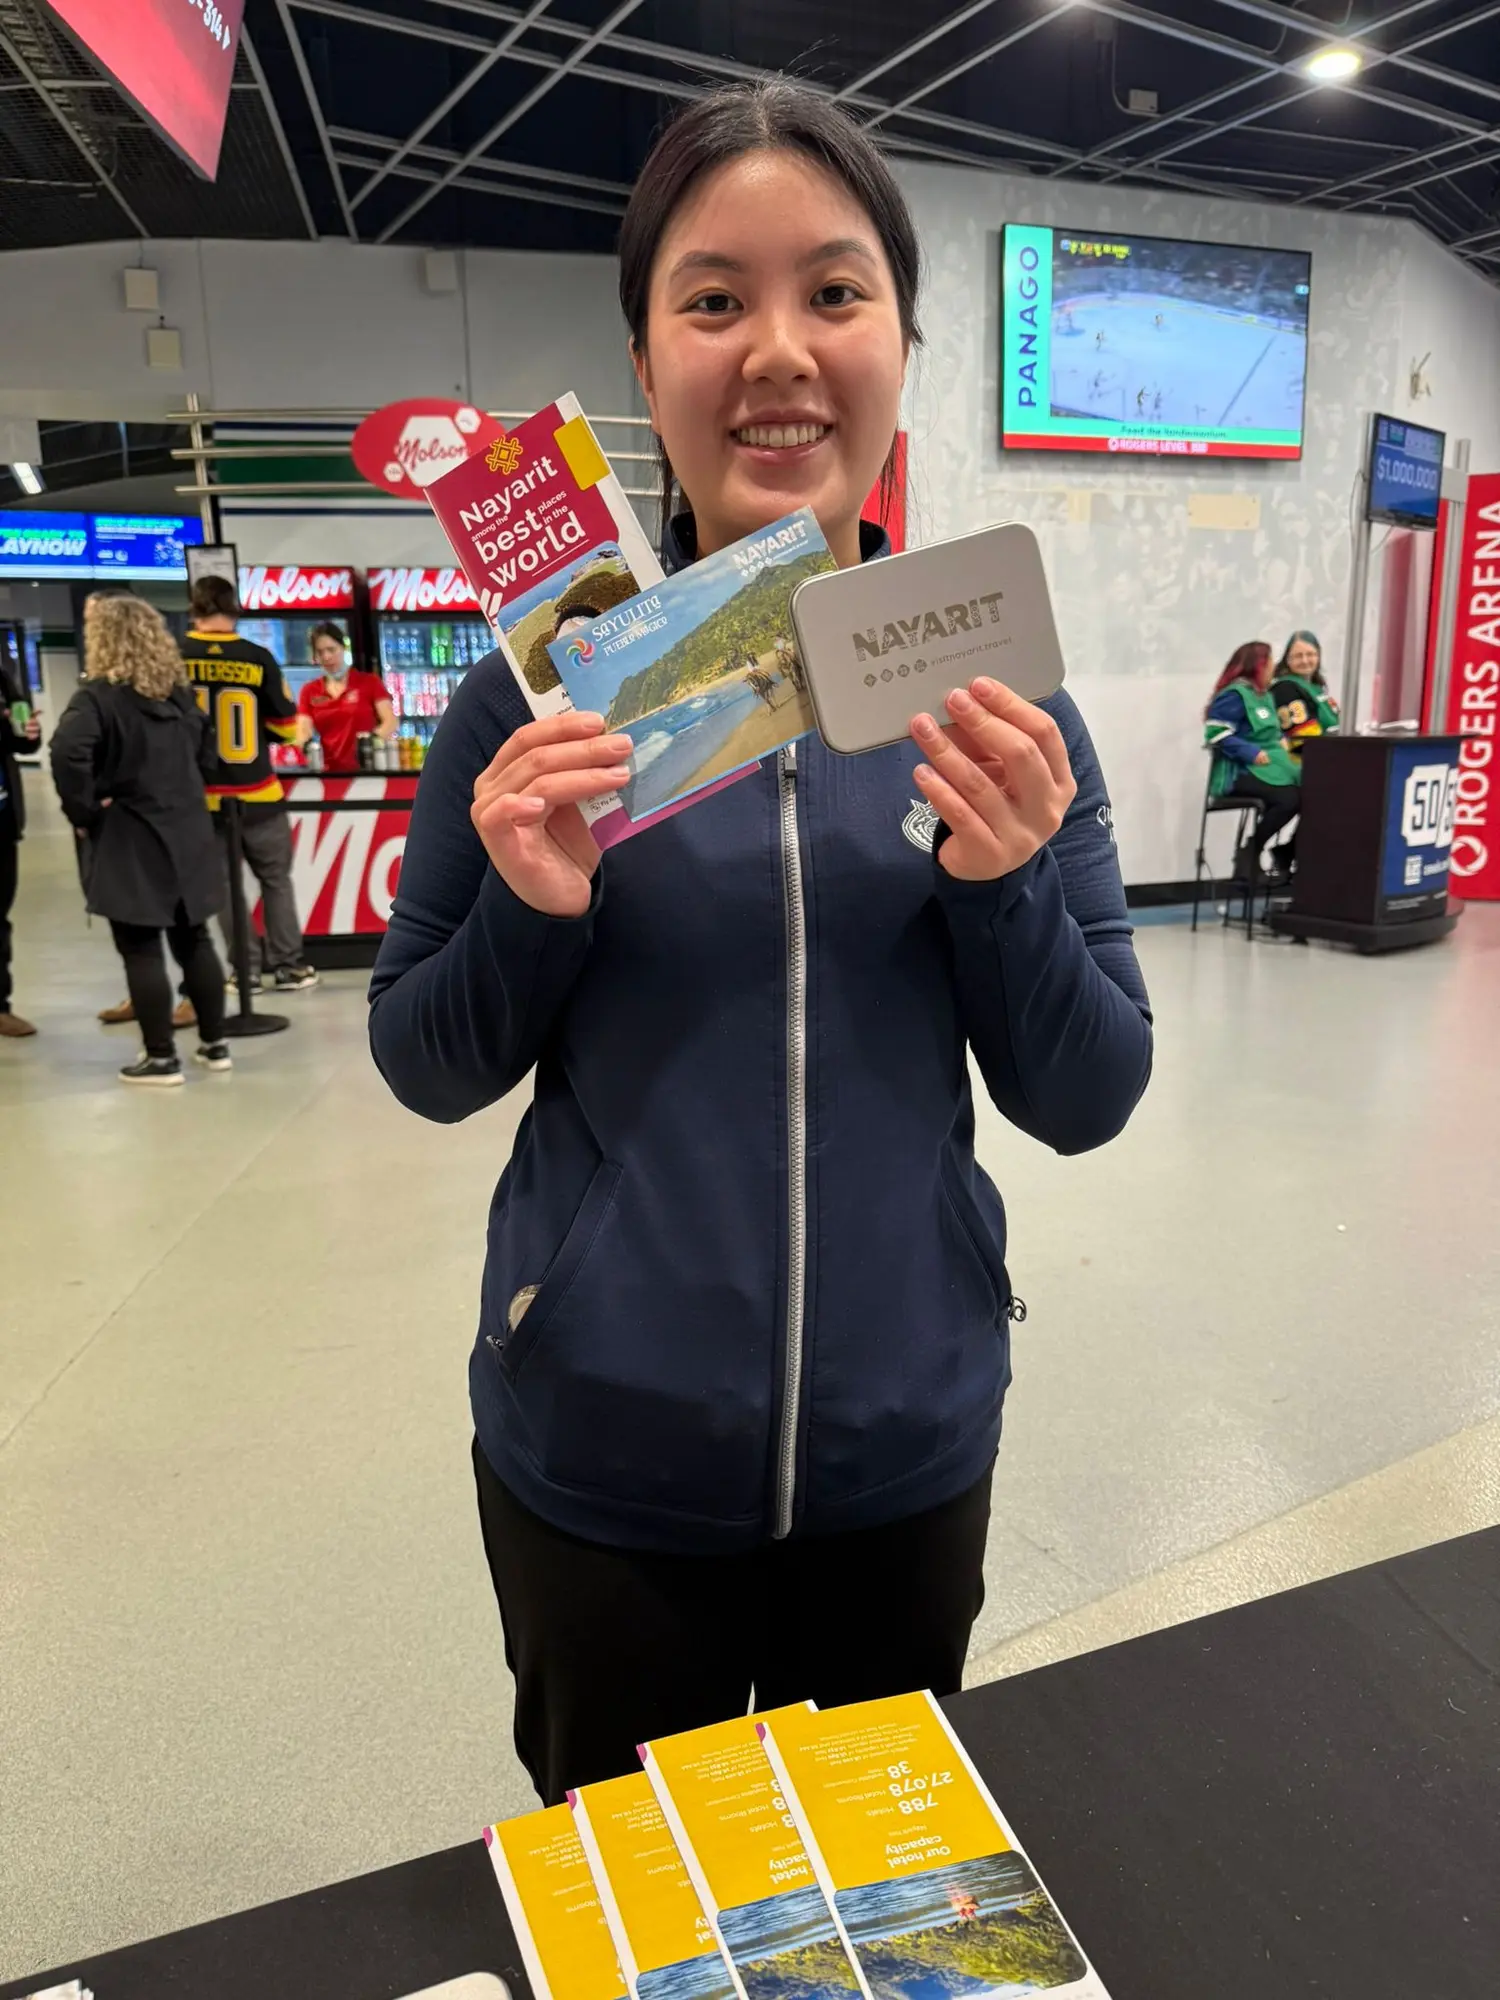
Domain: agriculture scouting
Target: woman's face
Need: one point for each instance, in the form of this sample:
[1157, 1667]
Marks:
[1303, 659]
[774, 355]
[329, 655]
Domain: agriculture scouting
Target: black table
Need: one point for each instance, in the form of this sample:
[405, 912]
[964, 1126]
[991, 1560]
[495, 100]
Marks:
[1297, 1797]
[1374, 840]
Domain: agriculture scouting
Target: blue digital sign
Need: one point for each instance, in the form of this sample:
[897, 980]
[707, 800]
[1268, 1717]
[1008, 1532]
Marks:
[1406, 473]
[123, 547]
[142, 545]
[45, 545]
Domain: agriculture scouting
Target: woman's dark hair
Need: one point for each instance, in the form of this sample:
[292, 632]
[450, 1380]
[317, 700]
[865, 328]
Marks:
[327, 630]
[1250, 662]
[775, 116]
[1306, 639]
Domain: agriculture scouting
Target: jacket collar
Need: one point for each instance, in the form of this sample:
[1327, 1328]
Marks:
[679, 545]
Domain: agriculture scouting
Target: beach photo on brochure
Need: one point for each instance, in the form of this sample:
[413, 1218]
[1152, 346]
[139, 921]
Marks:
[701, 672]
[931, 1890]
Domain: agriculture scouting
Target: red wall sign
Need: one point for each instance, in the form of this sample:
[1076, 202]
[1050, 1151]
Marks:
[1474, 696]
[174, 60]
[345, 865]
[421, 590]
[405, 446]
[293, 588]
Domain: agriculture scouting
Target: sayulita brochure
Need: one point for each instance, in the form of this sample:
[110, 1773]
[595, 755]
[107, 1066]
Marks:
[745, 1856]
[554, 1907]
[930, 1888]
[701, 672]
[665, 1944]
[546, 536]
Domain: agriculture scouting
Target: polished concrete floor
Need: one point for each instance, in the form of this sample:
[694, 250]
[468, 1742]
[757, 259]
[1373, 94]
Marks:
[247, 1642]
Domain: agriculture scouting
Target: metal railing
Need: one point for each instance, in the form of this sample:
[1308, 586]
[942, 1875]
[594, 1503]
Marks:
[203, 453]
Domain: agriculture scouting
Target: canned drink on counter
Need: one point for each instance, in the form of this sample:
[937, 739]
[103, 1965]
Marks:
[313, 754]
[364, 752]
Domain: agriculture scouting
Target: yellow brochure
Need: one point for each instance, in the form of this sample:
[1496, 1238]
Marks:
[746, 1860]
[930, 1889]
[666, 1946]
[544, 1877]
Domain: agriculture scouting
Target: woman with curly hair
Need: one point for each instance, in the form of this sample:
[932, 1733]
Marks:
[129, 759]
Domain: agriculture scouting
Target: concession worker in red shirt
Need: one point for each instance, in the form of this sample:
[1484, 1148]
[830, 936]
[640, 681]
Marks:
[344, 705]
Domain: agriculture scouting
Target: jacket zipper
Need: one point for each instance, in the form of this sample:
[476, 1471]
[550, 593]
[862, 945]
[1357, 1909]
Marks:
[796, 1096]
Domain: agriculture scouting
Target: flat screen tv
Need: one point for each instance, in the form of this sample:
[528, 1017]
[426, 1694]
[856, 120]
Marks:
[1146, 344]
[1405, 473]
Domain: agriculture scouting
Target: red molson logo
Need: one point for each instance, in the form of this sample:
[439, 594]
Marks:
[421, 590]
[293, 588]
[405, 446]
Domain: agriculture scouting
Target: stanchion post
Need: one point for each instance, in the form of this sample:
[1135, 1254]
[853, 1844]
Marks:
[247, 1021]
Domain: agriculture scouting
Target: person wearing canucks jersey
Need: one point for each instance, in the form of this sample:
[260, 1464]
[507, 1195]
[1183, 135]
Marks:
[1304, 706]
[1242, 731]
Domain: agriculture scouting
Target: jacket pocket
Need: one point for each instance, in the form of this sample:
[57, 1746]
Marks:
[558, 1278]
[965, 1212]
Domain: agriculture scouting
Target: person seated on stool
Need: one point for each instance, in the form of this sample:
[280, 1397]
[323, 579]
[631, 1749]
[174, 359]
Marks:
[1251, 760]
[1304, 707]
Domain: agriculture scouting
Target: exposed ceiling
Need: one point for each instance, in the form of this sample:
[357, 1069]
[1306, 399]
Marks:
[522, 126]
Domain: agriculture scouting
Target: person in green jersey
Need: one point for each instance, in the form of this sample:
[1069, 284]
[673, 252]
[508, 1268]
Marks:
[1304, 705]
[1250, 759]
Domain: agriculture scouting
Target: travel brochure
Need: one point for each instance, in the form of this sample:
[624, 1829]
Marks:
[840, 1854]
[747, 1861]
[547, 538]
[701, 672]
[928, 1886]
[554, 1908]
[665, 1944]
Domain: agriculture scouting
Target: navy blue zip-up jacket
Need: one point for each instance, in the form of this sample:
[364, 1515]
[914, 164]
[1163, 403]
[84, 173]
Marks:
[770, 1285]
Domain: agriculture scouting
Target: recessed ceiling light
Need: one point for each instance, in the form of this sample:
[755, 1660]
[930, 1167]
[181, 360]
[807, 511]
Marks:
[27, 478]
[1334, 64]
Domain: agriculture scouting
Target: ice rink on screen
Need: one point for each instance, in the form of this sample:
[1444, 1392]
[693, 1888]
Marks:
[1204, 368]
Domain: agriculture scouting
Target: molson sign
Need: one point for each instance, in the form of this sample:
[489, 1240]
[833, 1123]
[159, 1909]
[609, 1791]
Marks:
[348, 837]
[1474, 696]
[293, 587]
[421, 590]
[403, 447]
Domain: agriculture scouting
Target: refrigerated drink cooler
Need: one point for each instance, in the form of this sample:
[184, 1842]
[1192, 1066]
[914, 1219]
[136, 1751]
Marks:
[428, 633]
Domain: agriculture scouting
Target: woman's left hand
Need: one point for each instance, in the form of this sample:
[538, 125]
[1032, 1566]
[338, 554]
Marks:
[999, 780]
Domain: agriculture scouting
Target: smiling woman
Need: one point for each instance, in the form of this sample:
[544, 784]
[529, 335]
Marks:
[709, 288]
[745, 1327]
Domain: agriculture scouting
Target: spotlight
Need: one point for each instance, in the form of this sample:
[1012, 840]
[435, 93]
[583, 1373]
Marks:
[1334, 64]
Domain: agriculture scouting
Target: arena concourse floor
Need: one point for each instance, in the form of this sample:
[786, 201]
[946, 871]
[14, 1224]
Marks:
[248, 1643]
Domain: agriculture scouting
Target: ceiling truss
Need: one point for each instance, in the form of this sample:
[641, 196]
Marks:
[1416, 133]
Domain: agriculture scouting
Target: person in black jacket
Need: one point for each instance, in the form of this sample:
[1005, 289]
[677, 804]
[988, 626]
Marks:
[129, 759]
[744, 1330]
[13, 742]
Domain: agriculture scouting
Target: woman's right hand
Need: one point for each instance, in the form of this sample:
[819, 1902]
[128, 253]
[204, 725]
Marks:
[1262, 756]
[526, 804]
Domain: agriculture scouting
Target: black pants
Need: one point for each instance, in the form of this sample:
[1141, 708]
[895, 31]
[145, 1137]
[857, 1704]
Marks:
[150, 989]
[1279, 806]
[610, 1647]
[266, 841]
[8, 847]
